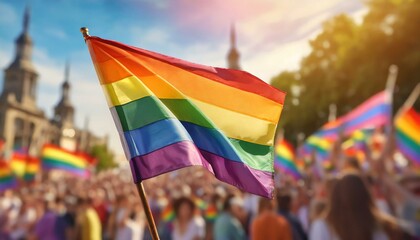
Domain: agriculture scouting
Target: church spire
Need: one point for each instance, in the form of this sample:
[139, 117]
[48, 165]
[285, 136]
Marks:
[64, 110]
[23, 54]
[232, 36]
[26, 19]
[65, 87]
[233, 54]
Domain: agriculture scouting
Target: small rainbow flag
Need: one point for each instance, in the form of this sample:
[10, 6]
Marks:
[200, 203]
[168, 214]
[319, 146]
[407, 128]
[357, 145]
[7, 178]
[284, 159]
[210, 214]
[33, 166]
[172, 114]
[54, 157]
[18, 163]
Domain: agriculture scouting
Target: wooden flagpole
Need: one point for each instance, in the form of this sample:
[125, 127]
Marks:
[140, 188]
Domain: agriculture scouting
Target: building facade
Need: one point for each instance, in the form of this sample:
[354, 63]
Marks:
[23, 125]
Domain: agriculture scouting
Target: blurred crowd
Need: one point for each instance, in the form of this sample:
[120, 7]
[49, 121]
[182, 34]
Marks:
[191, 204]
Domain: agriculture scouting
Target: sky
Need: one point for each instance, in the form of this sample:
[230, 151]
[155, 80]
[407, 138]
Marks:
[272, 36]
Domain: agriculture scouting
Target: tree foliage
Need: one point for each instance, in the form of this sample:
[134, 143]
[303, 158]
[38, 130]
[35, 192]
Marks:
[349, 62]
[104, 157]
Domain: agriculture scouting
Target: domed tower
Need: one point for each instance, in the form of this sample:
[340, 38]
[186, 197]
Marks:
[233, 54]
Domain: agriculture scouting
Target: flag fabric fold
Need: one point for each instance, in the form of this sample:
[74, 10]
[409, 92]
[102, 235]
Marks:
[172, 114]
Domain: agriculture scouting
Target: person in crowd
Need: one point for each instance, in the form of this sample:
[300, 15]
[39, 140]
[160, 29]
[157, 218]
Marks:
[45, 227]
[268, 225]
[284, 203]
[24, 222]
[187, 226]
[228, 225]
[129, 220]
[89, 225]
[352, 214]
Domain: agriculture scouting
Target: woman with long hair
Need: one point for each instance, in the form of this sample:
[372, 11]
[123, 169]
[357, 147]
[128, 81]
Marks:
[351, 214]
[187, 226]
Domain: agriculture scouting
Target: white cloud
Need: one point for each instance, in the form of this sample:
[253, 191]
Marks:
[56, 33]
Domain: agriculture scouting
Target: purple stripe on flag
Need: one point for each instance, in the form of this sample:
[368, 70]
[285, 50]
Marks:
[185, 154]
[373, 122]
[409, 152]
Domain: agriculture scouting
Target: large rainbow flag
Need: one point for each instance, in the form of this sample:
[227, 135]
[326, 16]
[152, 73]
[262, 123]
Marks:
[54, 157]
[172, 114]
[407, 129]
[284, 159]
[7, 178]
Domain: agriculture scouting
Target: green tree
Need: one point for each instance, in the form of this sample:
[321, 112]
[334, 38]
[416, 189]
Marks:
[104, 157]
[349, 62]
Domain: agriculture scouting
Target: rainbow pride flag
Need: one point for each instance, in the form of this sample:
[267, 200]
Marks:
[54, 157]
[407, 129]
[374, 112]
[172, 114]
[7, 178]
[284, 159]
[18, 163]
[168, 214]
[33, 166]
[210, 213]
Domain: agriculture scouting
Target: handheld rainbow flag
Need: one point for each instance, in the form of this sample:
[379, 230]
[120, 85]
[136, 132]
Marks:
[54, 157]
[407, 128]
[210, 213]
[168, 214]
[7, 179]
[284, 159]
[374, 112]
[172, 114]
[357, 144]
[33, 166]
[18, 163]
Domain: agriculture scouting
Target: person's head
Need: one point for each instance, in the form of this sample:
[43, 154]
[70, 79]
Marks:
[352, 163]
[265, 205]
[284, 201]
[184, 208]
[235, 206]
[351, 213]
[84, 203]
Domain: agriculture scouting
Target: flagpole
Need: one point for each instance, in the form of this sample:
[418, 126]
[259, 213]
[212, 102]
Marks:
[412, 98]
[147, 211]
[389, 128]
[139, 185]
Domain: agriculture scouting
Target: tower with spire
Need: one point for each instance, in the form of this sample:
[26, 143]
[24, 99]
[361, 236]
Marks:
[64, 110]
[233, 54]
[21, 121]
[21, 76]
[63, 120]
